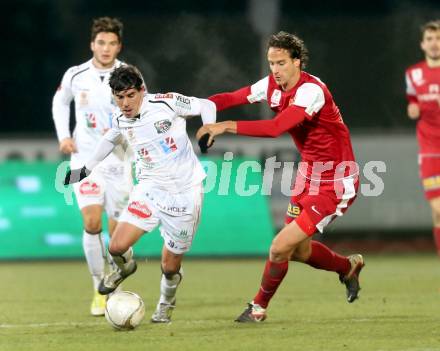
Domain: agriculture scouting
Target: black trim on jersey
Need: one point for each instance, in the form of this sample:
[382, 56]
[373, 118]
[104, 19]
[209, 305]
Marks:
[161, 102]
[85, 69]
[117, 119]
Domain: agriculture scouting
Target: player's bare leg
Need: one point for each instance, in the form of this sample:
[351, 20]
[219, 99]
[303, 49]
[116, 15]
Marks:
[435, 207]
[283, 245]
[172, 275]
[124, 236]
[94, 251]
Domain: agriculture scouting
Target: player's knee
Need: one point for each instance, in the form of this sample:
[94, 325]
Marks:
[278, 253]
[92, 225]
[116, 247]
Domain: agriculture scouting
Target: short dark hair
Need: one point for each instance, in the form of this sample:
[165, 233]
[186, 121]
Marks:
[431, 25]
[293, 44]
[108, 25]
[126, 77]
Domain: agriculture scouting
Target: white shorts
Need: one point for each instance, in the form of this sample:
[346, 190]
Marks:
[107, 186]
[177, 215]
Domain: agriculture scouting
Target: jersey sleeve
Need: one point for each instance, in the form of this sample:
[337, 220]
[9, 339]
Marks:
[246, 95]
[311, 97]
[114, 134]
[102, 150]
[61, 106]
[411, 94]
[283, 121]
[258, 91]
[185, 107]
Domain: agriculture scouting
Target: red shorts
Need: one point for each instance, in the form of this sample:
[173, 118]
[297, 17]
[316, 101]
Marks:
[429, 171]
[318, 203]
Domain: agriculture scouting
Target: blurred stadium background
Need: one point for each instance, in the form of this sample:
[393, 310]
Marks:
[360, 49]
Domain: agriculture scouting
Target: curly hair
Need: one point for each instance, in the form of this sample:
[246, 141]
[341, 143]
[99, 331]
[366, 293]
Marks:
[107, 24]
[293, 44]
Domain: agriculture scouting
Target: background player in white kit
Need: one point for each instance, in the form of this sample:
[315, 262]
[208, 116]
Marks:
[109, 185]
[169, 193]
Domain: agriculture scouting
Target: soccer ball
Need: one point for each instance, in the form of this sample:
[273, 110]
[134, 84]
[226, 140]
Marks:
[124, 310]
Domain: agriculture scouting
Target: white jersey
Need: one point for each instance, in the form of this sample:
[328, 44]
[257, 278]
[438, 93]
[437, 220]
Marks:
[164, 155]
[94, 107]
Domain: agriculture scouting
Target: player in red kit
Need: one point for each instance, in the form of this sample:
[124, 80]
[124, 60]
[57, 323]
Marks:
[327, 176]
[423, 94]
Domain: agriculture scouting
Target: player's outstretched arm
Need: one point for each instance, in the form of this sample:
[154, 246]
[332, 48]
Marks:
[230, 99]
[104, 148]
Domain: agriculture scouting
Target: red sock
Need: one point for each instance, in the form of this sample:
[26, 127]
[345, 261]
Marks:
[437, 239]
[273, 275]
[324, 258]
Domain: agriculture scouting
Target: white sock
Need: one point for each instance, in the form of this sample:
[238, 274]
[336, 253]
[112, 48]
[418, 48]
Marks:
[168, 287]
[94, 250]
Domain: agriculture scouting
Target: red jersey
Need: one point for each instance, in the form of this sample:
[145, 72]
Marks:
[423, 88]
[307, 112]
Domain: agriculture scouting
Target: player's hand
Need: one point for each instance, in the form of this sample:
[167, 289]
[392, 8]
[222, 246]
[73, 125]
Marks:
[203, 137]
[76, 175]
[413, 111]
[67, 146]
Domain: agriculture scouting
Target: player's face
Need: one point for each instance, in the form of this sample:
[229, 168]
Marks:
[129, 101]
[285, 70]
[105, 48]
[431, 44]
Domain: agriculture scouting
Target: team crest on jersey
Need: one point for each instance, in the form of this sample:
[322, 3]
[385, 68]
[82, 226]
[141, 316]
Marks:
[163, 96]
[83, 99]
[130, 135]
[275, 98]
[162, 126]
[417, 76]
[89, 188]
[91, 120]
[168, 145]
[143, 153]
[139, 209]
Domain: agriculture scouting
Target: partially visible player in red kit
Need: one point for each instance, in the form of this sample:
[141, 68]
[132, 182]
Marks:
[306, 110]
[423, 94]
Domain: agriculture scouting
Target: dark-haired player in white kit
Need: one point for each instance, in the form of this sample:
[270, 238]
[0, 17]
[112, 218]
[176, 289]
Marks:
[109, 185]
[169, 193]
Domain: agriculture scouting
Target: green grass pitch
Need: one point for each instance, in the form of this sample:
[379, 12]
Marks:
[44, 306]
